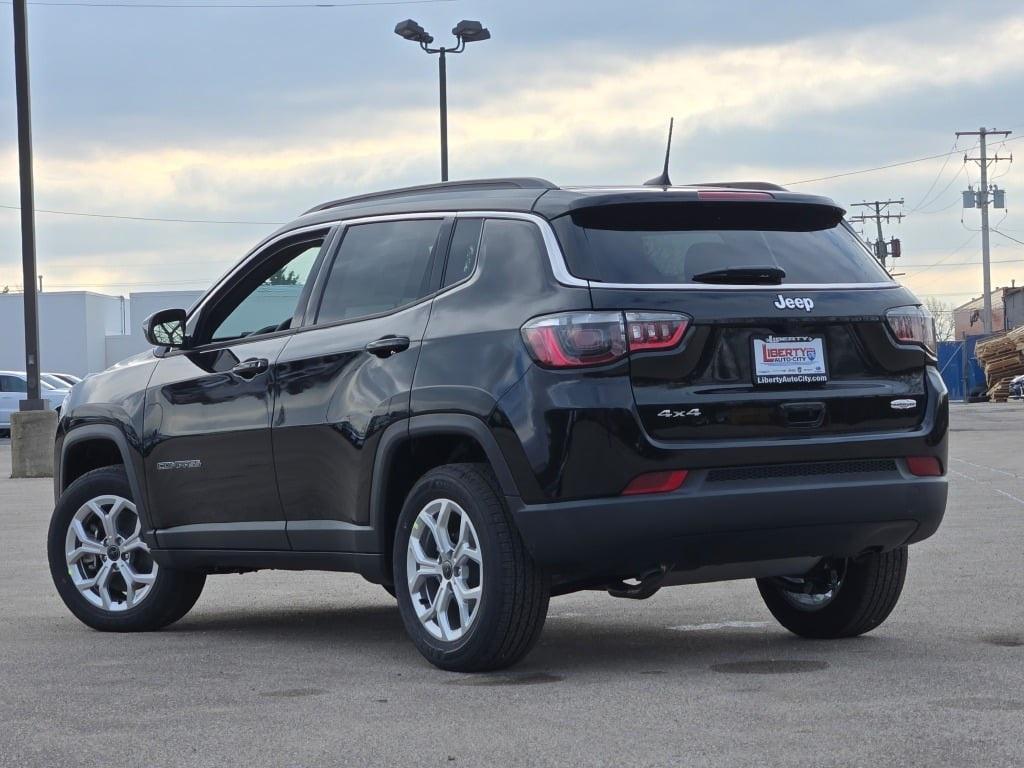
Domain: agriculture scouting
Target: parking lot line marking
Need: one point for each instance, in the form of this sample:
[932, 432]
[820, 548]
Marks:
[990, 469]
[1009, 495]
[986, 485]
[720, 625]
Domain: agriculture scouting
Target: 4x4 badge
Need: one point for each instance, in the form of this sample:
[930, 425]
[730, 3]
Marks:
[806, 303]
[668, 413]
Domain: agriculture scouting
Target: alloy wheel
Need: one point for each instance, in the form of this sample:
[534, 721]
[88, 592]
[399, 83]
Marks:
[444, 567]
[816, 590]
[108, 561]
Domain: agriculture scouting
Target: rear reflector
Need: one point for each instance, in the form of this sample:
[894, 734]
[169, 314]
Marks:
[924, 466]
[655, 482]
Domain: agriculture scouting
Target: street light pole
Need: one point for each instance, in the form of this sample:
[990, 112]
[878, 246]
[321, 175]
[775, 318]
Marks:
[465, 32]
[32, 402]
[443, 89]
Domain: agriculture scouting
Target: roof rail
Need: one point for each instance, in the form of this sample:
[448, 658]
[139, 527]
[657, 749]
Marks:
[742, 185]
[469, 185]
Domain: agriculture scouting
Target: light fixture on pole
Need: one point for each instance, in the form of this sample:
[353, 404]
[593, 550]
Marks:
[465, 31]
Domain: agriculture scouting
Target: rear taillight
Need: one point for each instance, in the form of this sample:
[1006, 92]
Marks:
[576, 339]
[913, 325]
[580, 339]
[654, 330]
[924, 466]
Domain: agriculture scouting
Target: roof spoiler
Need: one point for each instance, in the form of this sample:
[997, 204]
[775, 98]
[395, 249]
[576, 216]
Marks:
[767, 185]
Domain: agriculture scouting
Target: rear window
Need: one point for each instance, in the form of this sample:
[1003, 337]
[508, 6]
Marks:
[670, 243]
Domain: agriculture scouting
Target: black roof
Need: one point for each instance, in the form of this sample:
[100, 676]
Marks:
[521, 195]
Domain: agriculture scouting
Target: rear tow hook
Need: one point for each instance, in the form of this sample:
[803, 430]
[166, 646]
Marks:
[647, 584]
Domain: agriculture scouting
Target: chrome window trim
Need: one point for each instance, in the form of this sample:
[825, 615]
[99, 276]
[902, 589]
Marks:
[782, 288]
[556, 258]
[554, 251]
[203, 300]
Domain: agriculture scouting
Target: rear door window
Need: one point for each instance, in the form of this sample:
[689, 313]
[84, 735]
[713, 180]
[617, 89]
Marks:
[671, 243]
[380, 267]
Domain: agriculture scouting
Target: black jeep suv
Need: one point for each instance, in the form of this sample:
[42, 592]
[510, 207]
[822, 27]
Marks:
[482, 394]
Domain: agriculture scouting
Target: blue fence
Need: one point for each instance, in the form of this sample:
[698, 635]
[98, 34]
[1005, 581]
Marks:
[951, 366]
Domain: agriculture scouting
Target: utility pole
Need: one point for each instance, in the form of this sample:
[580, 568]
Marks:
[32, 401]
[882, 249]
[982, 200]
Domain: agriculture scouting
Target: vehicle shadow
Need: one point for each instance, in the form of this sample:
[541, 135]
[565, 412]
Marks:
[568, 646]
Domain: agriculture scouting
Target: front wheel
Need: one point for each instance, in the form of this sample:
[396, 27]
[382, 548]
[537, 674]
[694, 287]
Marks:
[471, 597]
[103, 570]
[840, 598]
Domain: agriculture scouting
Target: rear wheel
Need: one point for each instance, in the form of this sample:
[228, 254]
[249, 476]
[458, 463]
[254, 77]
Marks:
[470, 595]
[102, 568]
[840, 598]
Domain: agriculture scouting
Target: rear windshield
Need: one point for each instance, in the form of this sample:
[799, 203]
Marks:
[670, 243]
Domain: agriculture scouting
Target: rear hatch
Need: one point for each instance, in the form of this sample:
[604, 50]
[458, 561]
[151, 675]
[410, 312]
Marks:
[787, 332]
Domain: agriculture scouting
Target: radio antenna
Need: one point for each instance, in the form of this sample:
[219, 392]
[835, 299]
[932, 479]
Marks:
[663, 180]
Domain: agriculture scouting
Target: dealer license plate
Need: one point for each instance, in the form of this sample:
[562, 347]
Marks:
[790, 360]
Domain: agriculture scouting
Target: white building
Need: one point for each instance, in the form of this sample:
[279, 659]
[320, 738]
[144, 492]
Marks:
[81, 332]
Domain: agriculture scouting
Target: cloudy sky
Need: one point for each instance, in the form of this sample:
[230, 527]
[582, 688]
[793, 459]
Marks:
[255, 114]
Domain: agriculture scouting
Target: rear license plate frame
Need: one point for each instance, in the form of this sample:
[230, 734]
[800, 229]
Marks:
[789, 360]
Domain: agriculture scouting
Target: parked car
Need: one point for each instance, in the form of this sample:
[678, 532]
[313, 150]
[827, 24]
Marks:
[56, 382]
[14, 388]
[1017, 387]
[482, 394]
[69, 379]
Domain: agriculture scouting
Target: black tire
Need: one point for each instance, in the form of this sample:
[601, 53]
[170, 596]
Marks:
[389, 589]
[171, 595]
[515, 590]
[869, 591]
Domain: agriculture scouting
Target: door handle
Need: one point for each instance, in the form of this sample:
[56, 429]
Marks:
[251, 367]
[804, 415]
[388, 346]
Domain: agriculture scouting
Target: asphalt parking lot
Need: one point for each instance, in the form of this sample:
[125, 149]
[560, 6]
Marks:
[310, 669]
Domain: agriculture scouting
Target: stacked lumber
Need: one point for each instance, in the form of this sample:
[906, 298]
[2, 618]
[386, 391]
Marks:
[1001, 358]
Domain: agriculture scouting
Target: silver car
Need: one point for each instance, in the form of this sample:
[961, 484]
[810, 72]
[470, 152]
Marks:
[14, 388]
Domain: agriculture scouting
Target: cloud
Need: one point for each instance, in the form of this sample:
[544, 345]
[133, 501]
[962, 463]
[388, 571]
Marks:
[580, 114]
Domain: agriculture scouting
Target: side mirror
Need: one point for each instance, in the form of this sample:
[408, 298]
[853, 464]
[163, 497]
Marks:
[165, 328]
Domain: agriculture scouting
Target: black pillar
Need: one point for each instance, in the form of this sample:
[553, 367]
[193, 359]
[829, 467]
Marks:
[28, 222]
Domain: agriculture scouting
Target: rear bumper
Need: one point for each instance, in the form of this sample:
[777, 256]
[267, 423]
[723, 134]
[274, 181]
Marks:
[712, 523]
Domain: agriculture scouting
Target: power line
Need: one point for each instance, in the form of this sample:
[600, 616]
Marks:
[921, 203]
[278, 223]
[963, 169]
[890, 165]
[949, 255]
[58, 3]
[998, 232]
[147, 218]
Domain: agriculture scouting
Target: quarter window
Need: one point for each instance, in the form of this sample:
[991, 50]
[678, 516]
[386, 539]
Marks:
[380, 267]
[463, 252]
